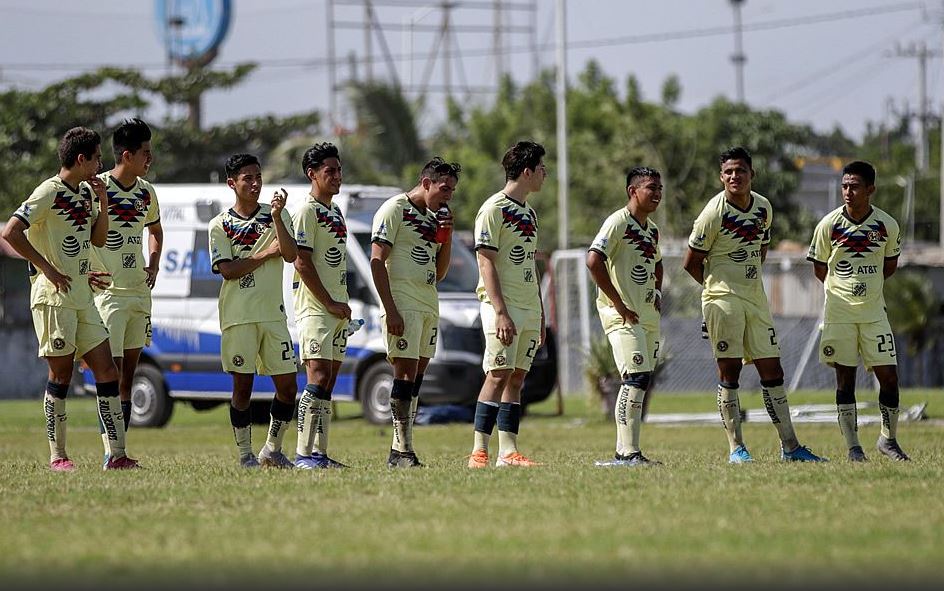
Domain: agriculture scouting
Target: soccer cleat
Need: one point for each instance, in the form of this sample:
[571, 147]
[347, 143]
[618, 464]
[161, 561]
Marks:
[62, 465]
[479, 459]
[516, 459]
[856, 454]
[248, 461]
[800, 454]
[403, 459]
[740, 455]
[274, 459]
[634, 459]
[120, 463]
[891, 449]
[316, 461]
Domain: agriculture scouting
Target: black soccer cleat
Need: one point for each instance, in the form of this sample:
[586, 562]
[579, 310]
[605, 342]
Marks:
[891, 449]
[403, 459]
[857, 454]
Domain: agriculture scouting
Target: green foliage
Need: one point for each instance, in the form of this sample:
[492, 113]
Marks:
[912, 304]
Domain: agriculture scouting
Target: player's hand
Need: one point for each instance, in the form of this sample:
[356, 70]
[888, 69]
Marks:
[543, 335]
[98, 187]
[395, 324]
[62, 281]
[278, 202]
[505, 328]
[272, 251]
[657, 301]
[628, 316]
[151, 276]
[339, 310]
[98, 279]
[704, 330]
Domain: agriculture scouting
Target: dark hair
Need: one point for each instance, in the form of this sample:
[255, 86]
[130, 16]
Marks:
[437, 168]
[522, 155]
[237, 162]
[641, 172]
[78, 140]
[862, 169]
[315, 156]
[737, 153]
[130, 136]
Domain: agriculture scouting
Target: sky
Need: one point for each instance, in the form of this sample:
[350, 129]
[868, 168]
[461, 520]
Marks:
[823, 63]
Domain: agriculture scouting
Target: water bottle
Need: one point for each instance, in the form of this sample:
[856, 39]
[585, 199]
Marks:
[442, 232]
[354, 325]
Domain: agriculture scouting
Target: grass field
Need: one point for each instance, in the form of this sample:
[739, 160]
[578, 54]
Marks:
[193, 518]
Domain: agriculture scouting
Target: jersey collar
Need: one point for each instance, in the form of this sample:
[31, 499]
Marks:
[846, 215]
[234, 213]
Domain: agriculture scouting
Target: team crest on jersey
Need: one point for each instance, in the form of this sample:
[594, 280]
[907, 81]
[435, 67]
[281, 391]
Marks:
[859, 242]
[425, 228]
[722, 346]
[642, 241]
[314, 347]
[127, 211]
[500, 359]
[332, 222]
[238, 360]
[828, 351]
[58, 344]
[243, 234]
[521, 223]
[78, 212]
[637, 358]
[747, 231]
[402, 344]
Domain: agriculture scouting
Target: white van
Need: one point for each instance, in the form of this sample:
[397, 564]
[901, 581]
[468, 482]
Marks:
[183, 361]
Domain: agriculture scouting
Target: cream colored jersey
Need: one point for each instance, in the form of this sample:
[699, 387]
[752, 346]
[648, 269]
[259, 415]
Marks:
[322, 232]
[631, 251]
[256, 296]
[511, 229]
[130, 210]
[854, 253]
[732, 239]
[59, 222]
[411, 234]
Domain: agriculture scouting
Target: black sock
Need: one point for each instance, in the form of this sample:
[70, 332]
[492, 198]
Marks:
[485, 417]
[126, 412]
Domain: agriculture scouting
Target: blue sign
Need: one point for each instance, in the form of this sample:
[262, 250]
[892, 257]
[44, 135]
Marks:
[192, 30]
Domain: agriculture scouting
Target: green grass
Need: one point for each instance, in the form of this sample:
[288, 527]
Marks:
[192, 516]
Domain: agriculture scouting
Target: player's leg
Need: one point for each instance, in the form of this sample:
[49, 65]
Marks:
[427, 348]
[137, 335]
[846, 411]
[315, 345]
[127, 367]
[56, 335]
[276, 358]
[404, 354]
[486, 412]
[102, 364]
[521, 354]
[877, 345]
[725, 322]
[239, 346]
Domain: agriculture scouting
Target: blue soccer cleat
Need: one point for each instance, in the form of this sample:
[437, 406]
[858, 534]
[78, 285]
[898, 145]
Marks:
[740, 455]
[800, 454]
[317, 461]
[248, 461]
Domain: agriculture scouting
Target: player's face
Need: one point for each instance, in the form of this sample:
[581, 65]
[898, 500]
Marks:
[139, 162]
[537, 176]
[89, 167]
[248, 182]
[736, 175]
[647, 193]
[327, 178]
[855, 191]
[440, 192]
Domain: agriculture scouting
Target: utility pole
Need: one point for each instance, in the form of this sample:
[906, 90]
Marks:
[561, 92]
[498, 43]
[738, 58]
[922, 54]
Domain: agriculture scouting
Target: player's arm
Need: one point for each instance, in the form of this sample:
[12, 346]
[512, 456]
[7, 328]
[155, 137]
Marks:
[305, 267]
[442, 258]
[379, 253]
[504, 326]
[889, 267]
[100, 227]
[694, 264]
[659, 272]
[820, 270]
[596, 263]
[239, 267]
[14, 232]
[155, 247]
[763, 252]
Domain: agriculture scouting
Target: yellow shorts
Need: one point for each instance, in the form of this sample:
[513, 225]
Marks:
[520, 353]
[420, 331]
[635, 348]
[842, 344]
[264, 348]
[739, 328]
[322, 337]
[64, 331]
[128, 321]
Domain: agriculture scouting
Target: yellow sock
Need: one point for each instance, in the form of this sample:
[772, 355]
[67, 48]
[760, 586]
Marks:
[109, 411]
[848, 424]
[778, 409]
[306, 424]
[507, 443]
[55, 411]
[243, 437]
[889, 421]
[730, 409]
[400, 413]
[321, 413]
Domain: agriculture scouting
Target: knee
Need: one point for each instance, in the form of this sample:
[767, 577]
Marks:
[516, 381]
[497, 379]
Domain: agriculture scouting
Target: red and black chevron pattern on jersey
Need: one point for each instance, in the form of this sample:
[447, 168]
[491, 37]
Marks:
[859, 241]
[127, 210]
[334, 223]
[245, 233]
[745, 230]
[422, 226]
[641, 240]
[521, 223]
[78, 211]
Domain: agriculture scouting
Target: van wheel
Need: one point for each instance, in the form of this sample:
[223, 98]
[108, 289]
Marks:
[150, 404]
[374, 392]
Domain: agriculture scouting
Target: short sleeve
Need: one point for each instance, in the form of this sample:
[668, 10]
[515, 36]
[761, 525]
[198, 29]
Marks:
[36, 206]
[768, 225]
[386, 224]
[154, 209]
[704, 231]
[606, 242]
[304, 228]
[487, 227]
[655, 240]
[221, 249]
[821, 245]
[893, 242]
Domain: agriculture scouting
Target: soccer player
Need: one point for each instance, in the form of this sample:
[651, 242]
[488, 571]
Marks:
[625, 262]
[248, 243]
[53, 230]
[512, 310]
[855, 248]
[406, 261]
[125, 303]
[320, 295]
[727, 247]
